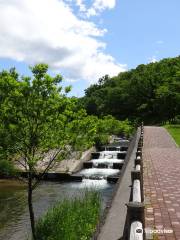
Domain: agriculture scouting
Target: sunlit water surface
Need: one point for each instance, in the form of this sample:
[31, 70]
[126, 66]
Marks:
[14, 218]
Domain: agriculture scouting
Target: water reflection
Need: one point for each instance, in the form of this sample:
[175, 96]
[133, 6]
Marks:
[14, 218]
[12, 202]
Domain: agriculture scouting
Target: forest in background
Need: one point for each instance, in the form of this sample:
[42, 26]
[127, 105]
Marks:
[149, 93]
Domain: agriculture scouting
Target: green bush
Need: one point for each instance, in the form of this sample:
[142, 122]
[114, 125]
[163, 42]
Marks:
[108, 126]
[70, 219]
[7, 168]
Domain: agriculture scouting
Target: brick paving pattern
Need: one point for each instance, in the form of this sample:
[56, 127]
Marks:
[161, 179]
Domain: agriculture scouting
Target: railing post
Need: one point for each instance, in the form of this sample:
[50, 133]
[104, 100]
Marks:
[135, 208]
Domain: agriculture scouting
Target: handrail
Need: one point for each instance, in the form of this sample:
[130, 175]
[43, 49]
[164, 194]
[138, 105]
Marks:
[136, 191]
[138, 167]
[136, 225]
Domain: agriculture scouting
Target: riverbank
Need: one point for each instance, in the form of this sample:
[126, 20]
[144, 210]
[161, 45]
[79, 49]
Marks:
[5, 183]
[67, 166]
[73, 165]
[46, 195]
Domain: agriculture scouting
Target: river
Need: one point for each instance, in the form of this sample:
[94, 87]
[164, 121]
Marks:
[14, 217]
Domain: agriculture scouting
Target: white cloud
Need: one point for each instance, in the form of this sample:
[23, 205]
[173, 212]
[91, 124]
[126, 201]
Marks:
[104, 4]
[96, 8]
[81, 5]
[152, 59]
[47, 31]
[99, 6]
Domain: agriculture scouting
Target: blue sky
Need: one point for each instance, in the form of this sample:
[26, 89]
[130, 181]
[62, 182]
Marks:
[83, 40]
[140, 30]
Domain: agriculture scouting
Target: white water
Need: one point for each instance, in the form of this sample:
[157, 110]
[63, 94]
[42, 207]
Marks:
[121, 140]
[92, 184]
[110, 154]
[106, 161]
[93, 172]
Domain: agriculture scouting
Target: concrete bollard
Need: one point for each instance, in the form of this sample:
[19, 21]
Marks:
[141, 138]
[138, 153]
[137, 161]
[139, 149]
[138, 167]
[135, 212]
[135, 175]
[136, 195]
[139, 157]
[140, 143]
[136, 231]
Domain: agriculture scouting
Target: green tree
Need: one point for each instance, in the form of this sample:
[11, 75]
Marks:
[36, 117]
[149, 93]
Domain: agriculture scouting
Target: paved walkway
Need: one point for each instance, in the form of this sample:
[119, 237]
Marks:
[161, 177]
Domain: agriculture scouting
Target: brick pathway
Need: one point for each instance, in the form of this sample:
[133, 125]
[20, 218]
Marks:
[161, 177]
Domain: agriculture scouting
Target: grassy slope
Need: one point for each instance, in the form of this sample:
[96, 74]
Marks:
[174, 130]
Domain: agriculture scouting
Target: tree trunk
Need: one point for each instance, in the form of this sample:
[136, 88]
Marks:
[30, 205]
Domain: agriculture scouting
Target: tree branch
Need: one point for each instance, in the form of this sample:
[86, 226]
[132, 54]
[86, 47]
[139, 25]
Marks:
[46, 169]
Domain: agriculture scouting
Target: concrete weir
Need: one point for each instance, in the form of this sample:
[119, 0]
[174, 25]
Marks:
[112, 225]
[105, 164]
[105, 168]
[52, 176]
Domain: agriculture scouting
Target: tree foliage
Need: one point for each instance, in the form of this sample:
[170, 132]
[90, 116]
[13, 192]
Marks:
[150, 93]
[37, 117]
[34, 116]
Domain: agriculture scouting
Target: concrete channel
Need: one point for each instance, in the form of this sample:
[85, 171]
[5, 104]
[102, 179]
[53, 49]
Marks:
[113, 163]
[113, 223]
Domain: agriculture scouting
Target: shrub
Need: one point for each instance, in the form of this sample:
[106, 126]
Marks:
[70, 219]
[7, 168]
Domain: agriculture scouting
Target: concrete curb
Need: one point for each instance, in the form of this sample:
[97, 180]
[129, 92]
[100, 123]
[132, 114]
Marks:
[102, 231]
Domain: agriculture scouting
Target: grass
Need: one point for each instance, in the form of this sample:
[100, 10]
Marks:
[174, 130]
[70, 219]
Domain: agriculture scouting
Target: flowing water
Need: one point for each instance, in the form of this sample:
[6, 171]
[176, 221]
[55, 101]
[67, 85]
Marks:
[106, 161]
[14, 218]
[101, 172]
